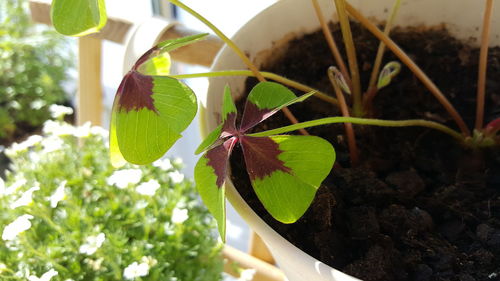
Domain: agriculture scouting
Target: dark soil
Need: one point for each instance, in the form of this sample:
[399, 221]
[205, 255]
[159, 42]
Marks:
[419, 206]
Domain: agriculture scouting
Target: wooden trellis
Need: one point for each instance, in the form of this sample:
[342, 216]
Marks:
[90, 108]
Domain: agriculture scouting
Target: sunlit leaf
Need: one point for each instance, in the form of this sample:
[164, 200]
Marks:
[157, 61]
[115, 155]
[151, 112]
[157, 65]
[286, 171]
[78, 17]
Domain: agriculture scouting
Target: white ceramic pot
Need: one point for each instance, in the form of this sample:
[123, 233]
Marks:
[287, 18]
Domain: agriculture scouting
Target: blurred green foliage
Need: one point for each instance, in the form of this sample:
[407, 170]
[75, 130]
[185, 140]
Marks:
[33, 66]
[87, 221]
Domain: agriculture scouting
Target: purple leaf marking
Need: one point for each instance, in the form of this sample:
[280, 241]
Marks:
[252, 115]
[218, 159]
[261, 157]
[135, 91]
[229, 127]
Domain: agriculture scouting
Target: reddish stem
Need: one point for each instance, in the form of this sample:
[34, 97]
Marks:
[483, 63]
[351, 138]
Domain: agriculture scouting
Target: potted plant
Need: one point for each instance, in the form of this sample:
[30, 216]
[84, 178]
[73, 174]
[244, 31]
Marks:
[67, 214]
[140, 98]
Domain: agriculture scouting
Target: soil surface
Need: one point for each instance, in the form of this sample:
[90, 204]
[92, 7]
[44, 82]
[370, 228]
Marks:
[419, 206]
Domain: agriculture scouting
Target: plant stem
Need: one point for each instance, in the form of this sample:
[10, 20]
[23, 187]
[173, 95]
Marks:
[222, 36]
[351, 57]
[267, 75]
[372, 88]
[351, 138]
[237, 50]
[362, 121]
[331, 42]
[413, 67]
[483, 63]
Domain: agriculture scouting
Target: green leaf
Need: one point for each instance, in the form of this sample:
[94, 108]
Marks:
[209, 140]
[157, 65]
[150, 113]
[387, 73]
[157, 61]
[78, 17]
[264, 100]
[228, 106]
[270, 95]
[115, 155]
[210, 175]
[287, 191]
[172, 44]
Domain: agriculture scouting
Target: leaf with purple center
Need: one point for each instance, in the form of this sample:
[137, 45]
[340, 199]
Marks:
[150, 111]
[285, 170]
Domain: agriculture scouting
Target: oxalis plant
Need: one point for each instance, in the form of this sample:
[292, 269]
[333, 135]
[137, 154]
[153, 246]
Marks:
[152, 108]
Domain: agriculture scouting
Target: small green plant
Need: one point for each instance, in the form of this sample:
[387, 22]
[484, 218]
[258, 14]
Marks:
[65, 212]
[152, 108]
[33, 66]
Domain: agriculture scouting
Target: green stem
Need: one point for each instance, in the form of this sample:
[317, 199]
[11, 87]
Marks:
[351, 57]
[267, 75]
[381, 46]
[362, 121]
[222, 36]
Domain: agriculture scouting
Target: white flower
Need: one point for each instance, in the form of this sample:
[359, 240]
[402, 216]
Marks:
[25, 199]
[15, 186]
[148, 188]
[3, 267]
[179, 215]
[141, 204]
[176, 176]
[37, 104]
[247, 274]
[51, 144]
[82, 131]
[122, 178]
[16, 148]
[169, 229]
[135, 270]
[178, 161]
[163, 164]
[19, 225]
[92, 244]
[59, 111]
[58, 195]
[149, 260]
[52, 127]
[94, 264]
[45, 277]
[99, 131]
